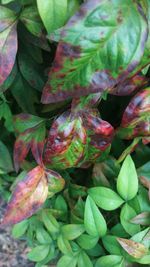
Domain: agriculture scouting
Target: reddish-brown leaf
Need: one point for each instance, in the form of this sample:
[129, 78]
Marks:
[8, 42]
[28, 197]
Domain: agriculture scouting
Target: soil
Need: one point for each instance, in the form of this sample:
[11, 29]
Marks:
[12, 252]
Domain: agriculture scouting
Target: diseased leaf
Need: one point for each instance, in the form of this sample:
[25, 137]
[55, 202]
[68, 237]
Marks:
[55, 182]
[94, 221]
[8, 42]
[105, 198]
[10, 79]
[100, 46]
[27, 198]
[127, 181]
[135, 249]
[31, 20]
[136, 118]
[53, 13]
[32, 138]
[142, 218]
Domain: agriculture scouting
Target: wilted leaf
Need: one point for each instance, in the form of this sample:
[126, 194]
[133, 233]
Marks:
[97, 49]
[127, 181]
[105, 198]
[8, 42]
[135, 249]
[27, 198]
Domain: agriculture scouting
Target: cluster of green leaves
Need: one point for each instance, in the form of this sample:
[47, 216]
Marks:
[75, 194]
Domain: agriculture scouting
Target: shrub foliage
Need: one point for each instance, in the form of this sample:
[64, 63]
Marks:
[74, 104]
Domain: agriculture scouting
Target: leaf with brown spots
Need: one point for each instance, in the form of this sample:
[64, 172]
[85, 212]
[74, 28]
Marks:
[28, 197]
[135, 249]
[8, 42]
[99, 47]
[136, 117]
[142, 218]
[32, 136]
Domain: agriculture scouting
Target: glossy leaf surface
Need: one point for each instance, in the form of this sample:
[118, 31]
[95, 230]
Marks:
[97, 49]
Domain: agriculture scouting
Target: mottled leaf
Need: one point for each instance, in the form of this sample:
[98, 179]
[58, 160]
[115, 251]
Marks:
[136, 118]
[8, 42]
[27, 198]
[135, 249]
[142, 218]
[32, 138]
[55, 182]
[7, 83]
[100, 45]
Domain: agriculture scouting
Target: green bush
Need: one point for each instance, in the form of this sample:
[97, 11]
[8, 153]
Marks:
[74, 104]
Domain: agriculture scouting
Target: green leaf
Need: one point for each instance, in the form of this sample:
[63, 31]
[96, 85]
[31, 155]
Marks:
[127, 213]
[31, 20]
[6, 165]
[87, 242]
[105, 198]
[20, 228]
[97, 49]
[94, 221]
[64, 245]
[50, 222]
[53, 13]
[84, 260]
[67, 261]
[110, 261]
[6, 114]
[111, 245]
[43, 236]
[144, 260]
[127, 181]
[72, 231]
[38, 253]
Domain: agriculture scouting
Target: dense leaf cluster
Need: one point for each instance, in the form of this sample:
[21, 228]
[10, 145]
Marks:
[74, 104]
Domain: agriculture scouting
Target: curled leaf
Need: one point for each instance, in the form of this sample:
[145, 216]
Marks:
[28, 197]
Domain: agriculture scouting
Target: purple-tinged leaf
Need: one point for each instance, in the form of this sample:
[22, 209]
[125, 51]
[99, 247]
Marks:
[8, 42]
[129, 85]
[135, 249]
[55, 182]
[146, 183]
[136, 118]
[27, 198]
[32, 136]
[100, 46]
[66, 142]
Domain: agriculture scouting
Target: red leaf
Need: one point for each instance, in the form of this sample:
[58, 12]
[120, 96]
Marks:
[28, 197]
[8, 43]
